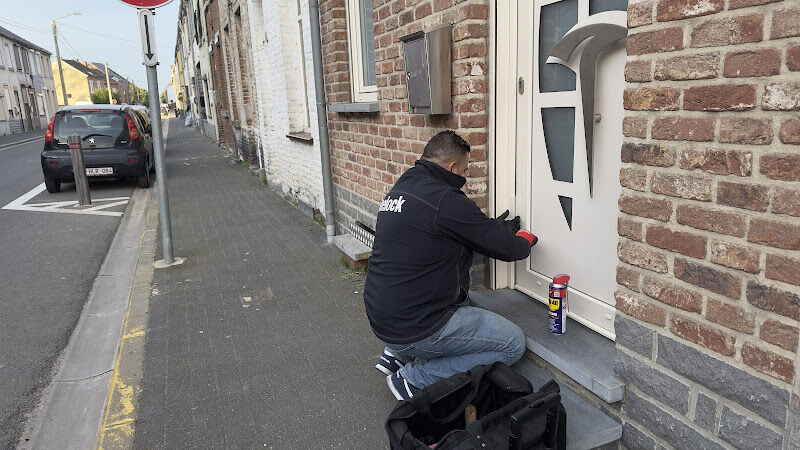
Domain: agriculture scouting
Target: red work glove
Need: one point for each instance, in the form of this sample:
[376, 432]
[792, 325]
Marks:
[528, 236]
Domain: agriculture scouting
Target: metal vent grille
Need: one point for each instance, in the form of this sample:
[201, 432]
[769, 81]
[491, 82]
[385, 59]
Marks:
[363, 233]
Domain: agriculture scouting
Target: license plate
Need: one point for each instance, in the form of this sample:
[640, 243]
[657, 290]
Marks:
[94, 171]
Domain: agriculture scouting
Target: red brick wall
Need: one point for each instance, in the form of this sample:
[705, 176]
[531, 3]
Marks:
[221, 102]
[370, 151]
[709, 225]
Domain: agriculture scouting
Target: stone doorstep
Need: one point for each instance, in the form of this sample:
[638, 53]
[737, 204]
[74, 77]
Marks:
[581, 354]
[352, 247]
[587, 426]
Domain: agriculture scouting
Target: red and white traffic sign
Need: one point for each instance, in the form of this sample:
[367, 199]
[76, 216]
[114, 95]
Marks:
[146, 3]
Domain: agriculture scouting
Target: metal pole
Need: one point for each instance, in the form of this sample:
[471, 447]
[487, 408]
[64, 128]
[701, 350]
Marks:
[161, 171]
[322, 119]
[60, 71]
[108, 83]
[79, 170]
[192, 38]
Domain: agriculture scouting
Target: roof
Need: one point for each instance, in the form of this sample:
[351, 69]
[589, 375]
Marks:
[100, 106]
[19, 40]
[83, 69]
[102, 68]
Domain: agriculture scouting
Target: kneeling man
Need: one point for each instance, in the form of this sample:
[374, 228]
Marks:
[417, 286]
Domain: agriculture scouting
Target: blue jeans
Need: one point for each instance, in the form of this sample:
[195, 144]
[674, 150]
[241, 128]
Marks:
[472, 337]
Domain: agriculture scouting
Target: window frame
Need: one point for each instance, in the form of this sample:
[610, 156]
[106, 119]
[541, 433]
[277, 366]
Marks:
[9, 56]
[361, 93]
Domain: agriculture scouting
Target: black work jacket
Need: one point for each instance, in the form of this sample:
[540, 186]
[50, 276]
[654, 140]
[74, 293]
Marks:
[426, 231]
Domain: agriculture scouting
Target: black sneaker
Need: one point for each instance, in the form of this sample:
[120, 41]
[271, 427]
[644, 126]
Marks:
[402, 389]
[388, 364]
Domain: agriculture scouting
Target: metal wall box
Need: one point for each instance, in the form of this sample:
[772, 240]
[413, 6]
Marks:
[427, 58]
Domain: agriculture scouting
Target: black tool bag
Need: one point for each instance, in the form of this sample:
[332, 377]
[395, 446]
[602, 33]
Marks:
[509, 414]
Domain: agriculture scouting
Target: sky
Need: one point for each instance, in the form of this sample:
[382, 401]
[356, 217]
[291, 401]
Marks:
[106, 31]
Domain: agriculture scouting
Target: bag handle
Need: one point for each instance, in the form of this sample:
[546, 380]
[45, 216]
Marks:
[422, 401]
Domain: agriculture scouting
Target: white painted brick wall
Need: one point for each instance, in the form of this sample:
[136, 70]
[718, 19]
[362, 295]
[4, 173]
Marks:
[294, 165]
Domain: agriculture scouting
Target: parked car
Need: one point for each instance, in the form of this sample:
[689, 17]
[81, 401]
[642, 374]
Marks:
[117, 143]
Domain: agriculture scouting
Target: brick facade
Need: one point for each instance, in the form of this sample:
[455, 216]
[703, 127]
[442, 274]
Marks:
[217, 61]
[369, 151]
[286, 102]
[708, 299]
[236, 42]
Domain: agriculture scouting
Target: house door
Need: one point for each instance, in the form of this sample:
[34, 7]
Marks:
[570, 66]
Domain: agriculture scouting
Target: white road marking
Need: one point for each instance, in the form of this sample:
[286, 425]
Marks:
[96, 209]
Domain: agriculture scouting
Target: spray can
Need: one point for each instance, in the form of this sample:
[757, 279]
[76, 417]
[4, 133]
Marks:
[559, 304]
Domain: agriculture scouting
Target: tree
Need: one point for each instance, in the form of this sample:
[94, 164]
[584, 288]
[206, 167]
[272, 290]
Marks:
[139, 95]
[164, 96]
[100, 96]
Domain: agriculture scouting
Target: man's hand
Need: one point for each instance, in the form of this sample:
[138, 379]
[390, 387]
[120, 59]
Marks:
[528, 236]
[512, 225]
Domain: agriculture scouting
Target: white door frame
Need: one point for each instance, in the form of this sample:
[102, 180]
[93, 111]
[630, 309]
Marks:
[503, 110]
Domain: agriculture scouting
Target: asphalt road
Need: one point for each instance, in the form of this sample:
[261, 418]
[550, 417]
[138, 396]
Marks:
[48, 261]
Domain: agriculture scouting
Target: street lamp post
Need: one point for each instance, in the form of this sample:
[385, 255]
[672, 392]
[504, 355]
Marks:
[58, 56]
[108, 83]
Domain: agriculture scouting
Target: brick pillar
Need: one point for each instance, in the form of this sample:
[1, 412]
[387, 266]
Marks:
[709, 276]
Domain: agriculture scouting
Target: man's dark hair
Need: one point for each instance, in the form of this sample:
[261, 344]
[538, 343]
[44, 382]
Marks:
[445, 146]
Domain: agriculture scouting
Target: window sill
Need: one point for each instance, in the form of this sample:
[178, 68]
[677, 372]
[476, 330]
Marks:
[301, 136]
[580, 353]
[364, 107]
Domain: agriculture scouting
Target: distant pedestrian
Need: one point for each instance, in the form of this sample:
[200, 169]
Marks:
[417, 286]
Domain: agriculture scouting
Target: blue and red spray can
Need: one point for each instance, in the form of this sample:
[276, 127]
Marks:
[559, 304]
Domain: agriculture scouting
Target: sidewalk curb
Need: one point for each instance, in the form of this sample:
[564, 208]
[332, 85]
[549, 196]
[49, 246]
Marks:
[24, 141]
[119, 419]
[72, 406]
[118, 426]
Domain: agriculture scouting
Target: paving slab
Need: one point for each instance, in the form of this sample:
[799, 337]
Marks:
[260, 338]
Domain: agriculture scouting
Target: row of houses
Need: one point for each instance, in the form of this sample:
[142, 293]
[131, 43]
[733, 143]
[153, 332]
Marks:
[652, 145]
[27, 88]
[83, 78]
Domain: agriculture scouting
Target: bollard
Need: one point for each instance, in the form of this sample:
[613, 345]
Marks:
[79, 170]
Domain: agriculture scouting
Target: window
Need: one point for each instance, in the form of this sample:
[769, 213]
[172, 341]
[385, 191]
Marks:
[9, 59]
[32, 64]
[2, 59]
[361, 37]
[16, 56]
[294, 65]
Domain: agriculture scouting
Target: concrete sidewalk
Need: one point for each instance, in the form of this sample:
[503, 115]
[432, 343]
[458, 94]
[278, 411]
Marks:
[260, 338]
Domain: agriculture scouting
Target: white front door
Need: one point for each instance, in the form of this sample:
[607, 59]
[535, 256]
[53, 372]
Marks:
[566, 190]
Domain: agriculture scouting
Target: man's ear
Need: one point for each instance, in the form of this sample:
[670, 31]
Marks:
[450, 166]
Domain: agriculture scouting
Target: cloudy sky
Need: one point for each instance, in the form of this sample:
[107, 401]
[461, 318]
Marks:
[106, 30]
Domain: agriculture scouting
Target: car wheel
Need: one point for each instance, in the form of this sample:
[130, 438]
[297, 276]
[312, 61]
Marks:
[144, 180]
[52, 186]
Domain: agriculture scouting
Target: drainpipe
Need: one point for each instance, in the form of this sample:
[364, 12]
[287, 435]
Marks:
[322, 118]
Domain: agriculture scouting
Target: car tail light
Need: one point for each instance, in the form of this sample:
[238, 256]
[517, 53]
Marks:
[48, 136]
[133, 133]
[54, 163]
[131, 159]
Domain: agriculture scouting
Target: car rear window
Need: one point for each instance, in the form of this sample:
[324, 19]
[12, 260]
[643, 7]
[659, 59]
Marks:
[97, 129]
